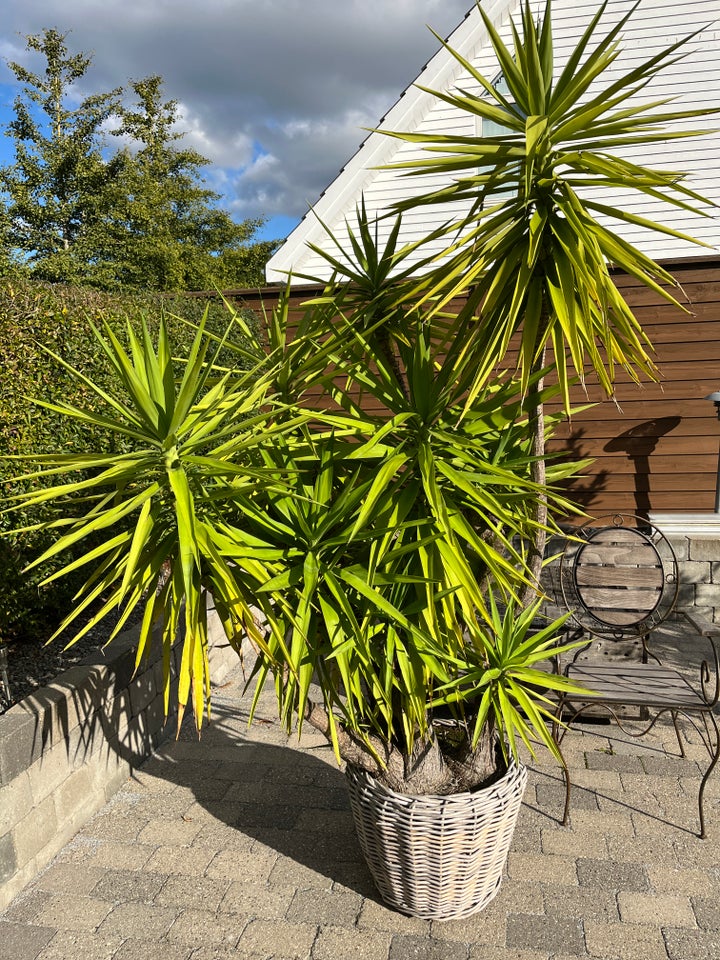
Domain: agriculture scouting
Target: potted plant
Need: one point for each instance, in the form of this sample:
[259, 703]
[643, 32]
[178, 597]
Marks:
[383, 548]
[367, 498]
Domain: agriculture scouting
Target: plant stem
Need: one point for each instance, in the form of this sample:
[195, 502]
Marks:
[536, 427]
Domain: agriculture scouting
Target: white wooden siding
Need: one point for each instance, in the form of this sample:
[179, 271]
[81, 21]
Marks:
[695, 82]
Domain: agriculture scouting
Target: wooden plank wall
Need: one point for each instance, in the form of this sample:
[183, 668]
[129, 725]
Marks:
[657, 448]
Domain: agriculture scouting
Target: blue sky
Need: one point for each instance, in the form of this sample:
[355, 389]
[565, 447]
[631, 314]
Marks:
[275, 93]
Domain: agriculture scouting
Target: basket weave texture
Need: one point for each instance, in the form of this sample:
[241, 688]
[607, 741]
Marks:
[438, 858]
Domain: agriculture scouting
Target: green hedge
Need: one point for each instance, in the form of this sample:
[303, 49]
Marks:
[58, 317]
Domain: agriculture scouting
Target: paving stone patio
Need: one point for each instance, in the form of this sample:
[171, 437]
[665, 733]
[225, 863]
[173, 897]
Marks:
[241, 847]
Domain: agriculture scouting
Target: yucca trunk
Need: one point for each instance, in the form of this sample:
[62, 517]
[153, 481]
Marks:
[437, 765]
[538, 472]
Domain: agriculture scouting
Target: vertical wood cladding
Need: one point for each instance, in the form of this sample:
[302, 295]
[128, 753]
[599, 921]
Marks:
[656, 446]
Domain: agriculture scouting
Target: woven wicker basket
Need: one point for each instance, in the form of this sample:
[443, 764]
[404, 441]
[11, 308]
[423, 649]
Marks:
[439, 858]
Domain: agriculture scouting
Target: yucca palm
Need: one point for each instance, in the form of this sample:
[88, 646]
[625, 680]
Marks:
[157, 518]
[534, 240]
[397, 599]
[372, 483]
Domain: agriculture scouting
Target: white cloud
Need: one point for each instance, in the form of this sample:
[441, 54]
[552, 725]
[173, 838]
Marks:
[274, 92]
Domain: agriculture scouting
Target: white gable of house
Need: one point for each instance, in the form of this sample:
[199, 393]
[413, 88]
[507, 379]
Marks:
[695, 82]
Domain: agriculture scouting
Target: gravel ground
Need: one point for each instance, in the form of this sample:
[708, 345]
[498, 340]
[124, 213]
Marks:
[33, 665]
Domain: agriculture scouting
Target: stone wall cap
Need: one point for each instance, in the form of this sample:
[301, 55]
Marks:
[687, 524]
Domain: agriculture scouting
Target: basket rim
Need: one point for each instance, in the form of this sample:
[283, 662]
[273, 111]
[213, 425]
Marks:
[513, 771]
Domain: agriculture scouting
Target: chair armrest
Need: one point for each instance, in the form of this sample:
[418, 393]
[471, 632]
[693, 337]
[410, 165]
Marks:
[711, 631]
[704, 627]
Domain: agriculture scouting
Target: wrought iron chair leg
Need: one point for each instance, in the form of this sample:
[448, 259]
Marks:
[558, 736]
[566, 774]
[674, 715]
[714, 759]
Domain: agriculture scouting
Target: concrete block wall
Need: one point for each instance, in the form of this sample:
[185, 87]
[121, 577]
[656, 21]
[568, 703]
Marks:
[699, 574]
[65, 750]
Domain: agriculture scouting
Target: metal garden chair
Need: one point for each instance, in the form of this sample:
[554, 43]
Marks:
[619, 579]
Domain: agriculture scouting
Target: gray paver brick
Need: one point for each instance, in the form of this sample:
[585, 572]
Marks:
[625, 941]
[174, 832]
[480, 952]
[149, 919]
[279, 939]
[254, 868]
[27, 905]
[565, 842]
[419, 948]
[198, 891]
[149, 806]
[640, 850]
[376, 916]
[528, 832]
[120, 829]
[218, 952]
[80, 946]
[554, 934]
[188, 861]
[211, 789]
[544, 868]
[285, 871]
[311, 848]
[487, 927]
[690, 882]
[219, 836]
[353, 875]
[195, 927]
[618, 823]
[517, 896]
[338, 823]
[693, 852]
[339, 942]
[651, 823]
[620, 763]
[81, 849]
[552, 797]
[608, 781]
[74, 913]
[19, 941]
[650, 908]
[321, 906]
[152, 950]
[69, 878]
[583, 903]
[248, 816]
[125, 885]
[608, 875]
[670, 767]
[257, 900]
[120, 856]
[707, 912]
[660, 789]
[692, 944]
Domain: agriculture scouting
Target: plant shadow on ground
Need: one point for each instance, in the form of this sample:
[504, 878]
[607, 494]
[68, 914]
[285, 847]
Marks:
[292, 801]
